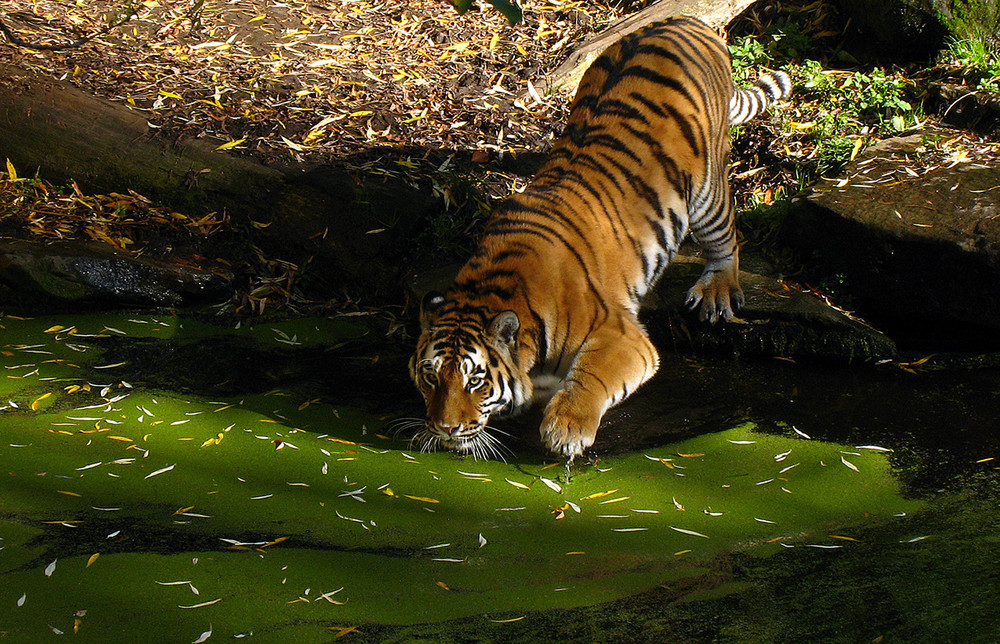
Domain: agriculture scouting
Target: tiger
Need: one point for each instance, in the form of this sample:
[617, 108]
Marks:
[553, 289]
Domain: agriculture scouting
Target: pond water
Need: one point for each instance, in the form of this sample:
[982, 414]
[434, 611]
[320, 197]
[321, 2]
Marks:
[167, 480]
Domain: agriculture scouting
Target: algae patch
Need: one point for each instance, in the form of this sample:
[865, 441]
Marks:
[284, 514]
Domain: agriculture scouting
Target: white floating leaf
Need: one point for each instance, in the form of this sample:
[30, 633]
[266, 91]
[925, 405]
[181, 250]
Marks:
[159, 471]
[203, 637]
[849, 464]
[690, 532]
[552, 484]
[203, 604]
[51, 568]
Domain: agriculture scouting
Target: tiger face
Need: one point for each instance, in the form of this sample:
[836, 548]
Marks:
[466, 372]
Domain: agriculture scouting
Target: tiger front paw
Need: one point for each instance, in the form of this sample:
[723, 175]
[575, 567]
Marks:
[567, 427]
[717, 291]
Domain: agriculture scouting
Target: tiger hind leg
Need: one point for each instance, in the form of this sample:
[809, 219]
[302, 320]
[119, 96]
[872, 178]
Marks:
[615, 360]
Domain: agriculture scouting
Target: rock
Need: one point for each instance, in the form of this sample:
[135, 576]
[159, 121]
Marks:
[915, 246]
[961, 107]
[778, 320]
[75, 272]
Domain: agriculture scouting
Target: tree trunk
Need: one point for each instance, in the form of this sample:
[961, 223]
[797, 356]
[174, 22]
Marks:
[717, 13]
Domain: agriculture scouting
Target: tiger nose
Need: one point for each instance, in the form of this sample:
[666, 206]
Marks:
[448, 428]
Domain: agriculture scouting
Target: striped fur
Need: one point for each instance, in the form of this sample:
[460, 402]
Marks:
[555, 285]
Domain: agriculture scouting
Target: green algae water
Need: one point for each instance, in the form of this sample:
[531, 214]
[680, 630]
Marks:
[211, 505]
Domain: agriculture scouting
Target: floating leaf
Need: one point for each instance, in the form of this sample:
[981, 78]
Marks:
[159, 471]
[552, 484]
[598, 495]
[203, 604]
[36, 401]
[422, 498]
[690, 532]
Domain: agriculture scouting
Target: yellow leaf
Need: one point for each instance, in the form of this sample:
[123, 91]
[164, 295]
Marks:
[54, 329]
[598, 495]
[171, 95]
[441, 584]
[34, 403]
[214, 441]
[92, 559]
[361, 113]
[857, 147]
[258, 18]
[276, 541]
[183, 510]
[67, 493]
[422, 498]
[11, 172]
[230, 145]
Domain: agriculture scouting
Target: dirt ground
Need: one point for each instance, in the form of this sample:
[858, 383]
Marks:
[311, 81]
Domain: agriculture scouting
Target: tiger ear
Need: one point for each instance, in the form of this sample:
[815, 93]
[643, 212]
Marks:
[504, 327]
[429, 305]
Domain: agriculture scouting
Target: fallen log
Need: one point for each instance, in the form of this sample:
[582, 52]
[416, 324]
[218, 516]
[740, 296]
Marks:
[717, 13]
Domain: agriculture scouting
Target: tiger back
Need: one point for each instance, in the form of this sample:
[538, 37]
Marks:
[555, 285]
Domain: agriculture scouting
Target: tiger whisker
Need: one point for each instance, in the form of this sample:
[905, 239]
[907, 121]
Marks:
[400, 425]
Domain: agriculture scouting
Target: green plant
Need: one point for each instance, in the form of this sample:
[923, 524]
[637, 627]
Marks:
[975, 42]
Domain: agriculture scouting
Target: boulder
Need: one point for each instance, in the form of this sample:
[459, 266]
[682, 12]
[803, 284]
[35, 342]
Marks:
[780, 319]
[916, 246]
[79, 272]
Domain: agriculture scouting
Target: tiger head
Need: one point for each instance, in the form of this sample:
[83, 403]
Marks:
[465, 366]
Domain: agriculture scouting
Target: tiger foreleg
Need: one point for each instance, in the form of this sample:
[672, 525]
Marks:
[613, 362]
[718, 290]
